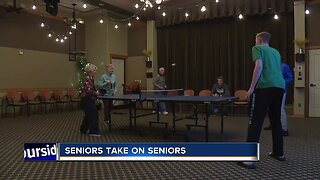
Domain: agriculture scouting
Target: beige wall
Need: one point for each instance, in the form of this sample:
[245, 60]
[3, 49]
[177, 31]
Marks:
[44, 63]
[96, 43]
[23, 31]
[36, 69]
[103, 40]
[117, 39]
[152, 45]
[136, 70]
[299, 85]
[137, 41]
[313, 25]
[136, 65]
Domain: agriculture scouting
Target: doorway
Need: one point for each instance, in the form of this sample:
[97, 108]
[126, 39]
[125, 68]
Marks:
[314, 83]
[119, 63]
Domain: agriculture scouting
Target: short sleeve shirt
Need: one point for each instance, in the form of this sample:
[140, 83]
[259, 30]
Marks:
[271, 75]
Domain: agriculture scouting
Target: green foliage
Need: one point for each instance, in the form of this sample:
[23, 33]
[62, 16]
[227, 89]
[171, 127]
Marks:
[81, 62]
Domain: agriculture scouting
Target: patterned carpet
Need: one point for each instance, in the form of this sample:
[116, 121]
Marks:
[301, 148]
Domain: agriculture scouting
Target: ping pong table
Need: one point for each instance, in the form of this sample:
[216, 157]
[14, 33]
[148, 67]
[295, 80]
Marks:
[133, 99]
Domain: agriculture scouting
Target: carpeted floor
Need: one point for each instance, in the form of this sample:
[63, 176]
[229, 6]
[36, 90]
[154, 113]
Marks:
[301, 148]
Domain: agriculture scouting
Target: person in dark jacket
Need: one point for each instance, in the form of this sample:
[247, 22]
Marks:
[220, 89]
[288, 78]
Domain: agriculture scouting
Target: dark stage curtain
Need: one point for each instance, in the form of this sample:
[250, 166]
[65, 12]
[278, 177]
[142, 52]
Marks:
[204, 50]
[225, 8]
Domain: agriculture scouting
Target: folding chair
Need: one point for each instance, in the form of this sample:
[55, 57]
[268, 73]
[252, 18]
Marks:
[13, 99]
[31, 99]
[241, 101]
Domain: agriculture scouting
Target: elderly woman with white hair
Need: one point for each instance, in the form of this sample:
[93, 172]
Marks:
[90, 122]
[107, 83]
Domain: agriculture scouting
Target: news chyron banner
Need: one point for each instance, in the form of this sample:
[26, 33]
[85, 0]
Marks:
[141, 152]
[40, 151]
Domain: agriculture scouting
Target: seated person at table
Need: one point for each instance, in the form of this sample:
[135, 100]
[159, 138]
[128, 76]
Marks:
[220, 89]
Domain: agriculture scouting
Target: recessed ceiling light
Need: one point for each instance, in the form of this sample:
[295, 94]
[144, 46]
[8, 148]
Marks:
[203, 8]
[307, 11]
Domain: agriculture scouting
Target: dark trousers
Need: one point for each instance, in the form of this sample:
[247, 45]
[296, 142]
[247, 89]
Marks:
[107, 104]
[263, 101]
[91, 119]
[222, 107]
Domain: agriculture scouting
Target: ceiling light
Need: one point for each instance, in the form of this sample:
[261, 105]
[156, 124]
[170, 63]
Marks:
[217, 1]
[61, 40]
[129, 24]
[186, 14]
[70, 32]
[307, 11]
[116, 26]
[137, 18]
[81, 21]
[136, 6]
[34, 7]
[159, 7]
[141, 0]
[158, 1]
[144, 9]
[57, 39]
[240, 16]
[164, 13]
[65, 37]
[276, 17]
[101, 21]
[42, 24]
[49, 35]
[203, 8]
[84, 5]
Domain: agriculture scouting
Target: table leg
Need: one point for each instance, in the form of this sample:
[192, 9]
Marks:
[222, 111]
[174, 117]
[207, 122]
[109, 115]
[130, 114]
[135, 112]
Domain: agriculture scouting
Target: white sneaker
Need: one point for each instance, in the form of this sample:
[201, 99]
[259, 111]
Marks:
[165, 113]
[248, 165]
[95, 135]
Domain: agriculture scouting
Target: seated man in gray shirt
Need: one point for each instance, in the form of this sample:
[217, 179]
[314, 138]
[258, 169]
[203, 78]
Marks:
[159, 83]
[220, 89]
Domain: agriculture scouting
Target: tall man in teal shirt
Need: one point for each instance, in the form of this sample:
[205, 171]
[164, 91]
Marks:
[107, 82]
[266, 92]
